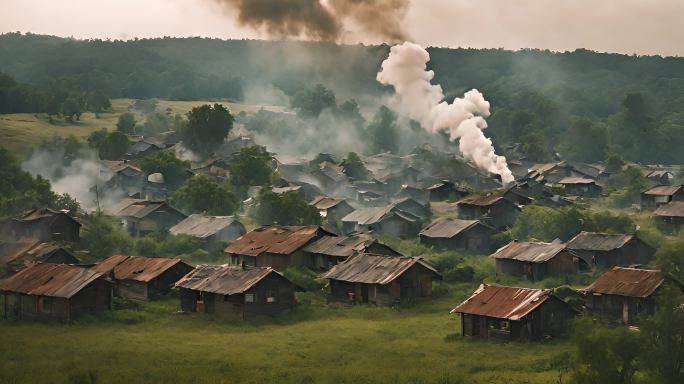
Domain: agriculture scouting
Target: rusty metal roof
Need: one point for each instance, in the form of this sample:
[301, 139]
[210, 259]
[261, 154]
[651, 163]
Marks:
[366, 216]
[375, 269]
[341, 246]
[44, 213]
[447, 228]
[480, 200]
[137, 208]
[662, 190]
[532, 252]
[324, 202]
[545, 167]
[138, 268]
[509, 303]
[26, 250]
[275, 239]
[224, 279]
[202, 226]
[671, 209]
[595, 241]
[54, 280]
[576, 180]
[630, 282]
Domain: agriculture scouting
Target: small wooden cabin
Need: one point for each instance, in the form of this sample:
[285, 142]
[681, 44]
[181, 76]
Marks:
[579, 186]
[381, 280]
[54, 291]
[659, 195]
[621, 294]
[333, 210]
[607, 250]
[17, 254]
[329, 251]
[141, 217]
[453, 234]
[670, 217]
[209, 230]
[536, 261]
[142, 278]
[236, 292]
[43, 224]
[387, 220]
[493, 210]
[510, 313]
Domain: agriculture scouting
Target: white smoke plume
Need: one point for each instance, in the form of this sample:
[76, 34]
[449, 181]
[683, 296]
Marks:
[418, 99]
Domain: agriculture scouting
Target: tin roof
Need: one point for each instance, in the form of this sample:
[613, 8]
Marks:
[663, 190]
[26, 250]
[509, 303]
[630, 282]
[341, 246]
[594, 241]
[447, 228]
[275, 239]
[224, 279]
[324, 202]
[54, 280]
[532, 252]
[375, 269]
[480, 200]
[671, 209]
[202, 226]
[576, 180]
[138, 268]
[44, 214]
[137, 208]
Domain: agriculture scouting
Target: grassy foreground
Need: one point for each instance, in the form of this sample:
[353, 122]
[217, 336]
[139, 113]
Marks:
[317, 343]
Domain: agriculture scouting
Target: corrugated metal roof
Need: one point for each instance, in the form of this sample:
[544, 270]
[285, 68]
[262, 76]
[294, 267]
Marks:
[375, 269]
[663, 190]
[532, 252]
[671, 209]
[509, 303]
[543, 168]
[324, 202]
[631, 282]
[366, 216]
[224, 279]
[43, 214]
[594, 241]
[275, 239]
[25, 249]
[138, 268]
[576, 180]
[202, 226]
[341, 246]
[137, 208]
[54, 280]
[447, 228]
[480, 200]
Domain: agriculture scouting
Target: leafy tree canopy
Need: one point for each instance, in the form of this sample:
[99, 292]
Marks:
[285, 209]
[207, 128]
[175, 170]
[202, 193]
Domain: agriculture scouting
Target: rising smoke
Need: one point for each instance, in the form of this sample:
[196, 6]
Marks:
[418, 99]
[321, 20]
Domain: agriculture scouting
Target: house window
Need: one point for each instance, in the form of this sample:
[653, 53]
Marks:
[250, 297]
[45, 304]
[271, 297]
[505, 325]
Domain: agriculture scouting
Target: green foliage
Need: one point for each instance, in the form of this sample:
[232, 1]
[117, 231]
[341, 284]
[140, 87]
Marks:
[65, 201]
[19, 191]
[251, 167]
[309, 103]
[382, 131]
[147, 246]
[354, 168]
[72, 108]
[97, 102]
[207, 128]
[285, 209]
[156, 123]
[586, 140]
[103, 236]
[305, 278]
[201, 193]
[111, 145]
[179, 245]
[126, 123]
[175, 170]
[670, 260]
[632, 182]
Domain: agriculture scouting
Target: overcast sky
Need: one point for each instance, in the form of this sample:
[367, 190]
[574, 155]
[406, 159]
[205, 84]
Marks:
[625, 26]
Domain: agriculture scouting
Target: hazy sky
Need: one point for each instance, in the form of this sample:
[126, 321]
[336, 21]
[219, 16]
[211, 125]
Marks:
[625, 26]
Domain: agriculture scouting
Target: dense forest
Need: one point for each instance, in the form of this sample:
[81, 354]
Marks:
[581, 105]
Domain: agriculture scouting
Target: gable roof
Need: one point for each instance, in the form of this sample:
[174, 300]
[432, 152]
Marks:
[54, 280]
[225, 279]
[138, 268]
[202, 226]
[448, 228]
[662, 190]
[27, 250]
[509, 303]
[375, 269]
[631, 282]
[282, 240]
[138, 208]
[324, 202]
[40, 214]
[341, 246]
[480, 200]
[527, 251]
[595, 241]
[671, 209]
[576, 180]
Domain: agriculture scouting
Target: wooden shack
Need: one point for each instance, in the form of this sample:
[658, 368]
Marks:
[381, 280]
[329, 251]
[621, 294]
[331, 209]
[18, 254]
[580, 186]
[536, 261]
[209, 230]
[142, 278]
[654, 197]
[236, 292]
[43, 224]
[608, 250]
[510, 313]
[446, 190]
[141, 217]
[386, 220]
[670, 217]
[491, 209]
[453, 234]
[54, 291]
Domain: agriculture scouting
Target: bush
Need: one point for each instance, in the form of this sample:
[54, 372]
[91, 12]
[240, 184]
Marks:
[305, 278]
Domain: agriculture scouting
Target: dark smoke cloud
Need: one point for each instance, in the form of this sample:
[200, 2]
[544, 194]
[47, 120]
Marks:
[319, 20]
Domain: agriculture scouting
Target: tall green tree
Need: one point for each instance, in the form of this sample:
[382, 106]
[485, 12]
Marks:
[251, 167]
[207, 128]
[126, 123]
[201, 193]
[19, 191]
[175, 170]
[110, 145]
[309, 103]
[382, 131]
[285, 209]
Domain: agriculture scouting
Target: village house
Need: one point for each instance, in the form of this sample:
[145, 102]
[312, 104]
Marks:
[381, 280]
[453, 234]
[607, 250]
[510, 313]
[121, 176]
[142, 278]
[331, 209]
[236, 292]
[387, 220]
[420, 195]
[144, 147]
[20, 253]
[54, 291]
[446, 190]
[42, 224]
[209, 230]
[307, 192]
[141, 217]
[670, 217]
[661, 195]
[414, 207]
[578, 186]
[552, 173]
[278, 247]
[536, 261]
[621, 294]
[329, 251]
[661, 177]
[493, 210]
[330, 177]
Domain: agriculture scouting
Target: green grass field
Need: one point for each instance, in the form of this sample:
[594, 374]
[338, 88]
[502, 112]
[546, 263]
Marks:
[317, 343]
